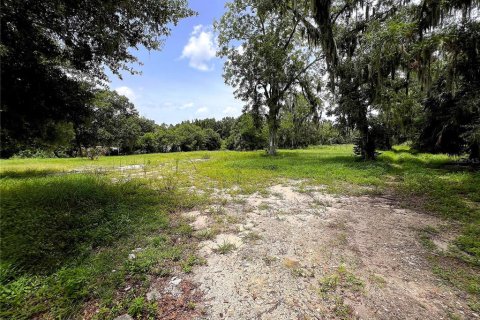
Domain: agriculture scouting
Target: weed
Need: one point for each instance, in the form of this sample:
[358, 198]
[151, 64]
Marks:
[379, 281]
[217, 210]
[291, 263]
[205, 234]
[159, 240]
[225, 248]
[190, 262]
[252, 236]
[269, 260]
[137, 307]
[342, 239]
[342, 310]
[263, 206]
[241, 201]
[340, 278]
[302, 273]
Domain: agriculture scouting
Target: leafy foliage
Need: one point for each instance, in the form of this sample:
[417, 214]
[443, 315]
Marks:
[49, 49]
[265, 58]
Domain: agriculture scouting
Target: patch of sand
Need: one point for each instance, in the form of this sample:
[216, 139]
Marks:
[303, 241]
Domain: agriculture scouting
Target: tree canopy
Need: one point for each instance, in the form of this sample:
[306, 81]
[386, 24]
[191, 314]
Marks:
[266, 60]
[53, 52]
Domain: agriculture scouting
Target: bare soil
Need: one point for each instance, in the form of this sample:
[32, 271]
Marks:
[300, 253]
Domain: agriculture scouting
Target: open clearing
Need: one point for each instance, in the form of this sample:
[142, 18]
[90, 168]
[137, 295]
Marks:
[309, 255]
[309, 234]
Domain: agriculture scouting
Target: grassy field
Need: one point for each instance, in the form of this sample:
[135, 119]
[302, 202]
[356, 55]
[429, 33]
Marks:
[69, 225]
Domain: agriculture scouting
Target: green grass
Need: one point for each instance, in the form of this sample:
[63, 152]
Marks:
[66, 240]
[62, 233]
[225, 248]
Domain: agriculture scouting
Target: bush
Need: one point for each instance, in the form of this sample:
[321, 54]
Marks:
[34, 153]
[94, 153]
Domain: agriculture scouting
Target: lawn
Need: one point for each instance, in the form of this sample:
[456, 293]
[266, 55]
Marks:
[68, 226]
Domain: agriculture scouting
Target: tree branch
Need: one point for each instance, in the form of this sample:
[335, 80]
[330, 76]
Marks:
[292, 80]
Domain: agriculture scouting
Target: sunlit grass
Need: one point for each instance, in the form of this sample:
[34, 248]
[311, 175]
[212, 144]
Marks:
[67, 223]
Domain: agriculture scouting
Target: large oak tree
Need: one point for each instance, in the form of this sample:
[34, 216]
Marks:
[266, 59]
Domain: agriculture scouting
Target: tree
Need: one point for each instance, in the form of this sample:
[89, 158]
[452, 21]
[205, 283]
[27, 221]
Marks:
[48, 48]
[190, 137]
[452, 107]
[114, 123]
[212, 140]
[247, 134]
[298, 124]
[372, 49]
[265, 58]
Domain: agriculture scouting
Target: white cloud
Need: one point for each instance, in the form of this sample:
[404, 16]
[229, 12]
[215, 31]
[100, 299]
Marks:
[230, 111]
[240, 49]
[127, 92]
[202, 110]
[200, 48]
[187, 106]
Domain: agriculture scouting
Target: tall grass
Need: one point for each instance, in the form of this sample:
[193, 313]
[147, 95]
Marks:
[63, 234]
[61, 237]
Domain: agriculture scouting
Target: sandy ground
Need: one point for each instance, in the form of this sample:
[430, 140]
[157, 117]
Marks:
[304, 254]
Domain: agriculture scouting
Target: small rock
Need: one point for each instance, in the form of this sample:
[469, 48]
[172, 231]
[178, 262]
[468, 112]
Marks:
[249, 225]
[175, 281]
[124, 317]
[153, 295]
[172, 287]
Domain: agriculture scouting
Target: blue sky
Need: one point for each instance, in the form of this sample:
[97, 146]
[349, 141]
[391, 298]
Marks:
[183, 80]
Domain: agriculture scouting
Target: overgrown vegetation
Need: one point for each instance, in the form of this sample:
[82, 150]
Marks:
[67, 240]
[78, 232]
[72, 240]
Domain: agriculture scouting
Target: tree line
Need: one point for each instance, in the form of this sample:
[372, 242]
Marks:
[115, 127]
[384, 72]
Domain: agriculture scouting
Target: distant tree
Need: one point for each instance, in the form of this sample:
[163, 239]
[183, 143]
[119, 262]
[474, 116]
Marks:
[247, 134]
[226, 126]
[265, 59]
[190, 137]
[212, 140]
[148, 143]
[114, 123]
[299, 121]
[209, 123]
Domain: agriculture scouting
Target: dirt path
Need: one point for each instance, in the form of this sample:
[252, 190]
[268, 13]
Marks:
[310, 255]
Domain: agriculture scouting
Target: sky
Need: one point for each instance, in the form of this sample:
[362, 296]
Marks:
[182, 81]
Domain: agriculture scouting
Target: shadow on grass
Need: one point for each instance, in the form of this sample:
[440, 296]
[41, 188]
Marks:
[63, 235]
[31, 173]
[48, 221]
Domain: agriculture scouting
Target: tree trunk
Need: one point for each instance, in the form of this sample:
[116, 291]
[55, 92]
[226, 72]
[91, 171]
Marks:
[366, 147]
[475, 152]
[272, 129]
[272, 140]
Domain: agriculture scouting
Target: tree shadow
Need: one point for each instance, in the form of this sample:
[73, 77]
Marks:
[48, 222]
[30, 173]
